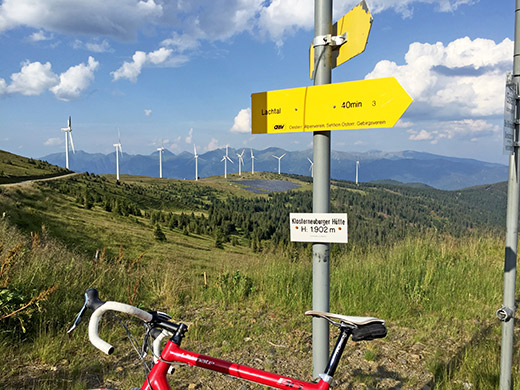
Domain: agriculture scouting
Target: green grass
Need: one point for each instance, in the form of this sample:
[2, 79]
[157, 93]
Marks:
[419, 284]
[436, 292]
[478, 367]
[14, 168]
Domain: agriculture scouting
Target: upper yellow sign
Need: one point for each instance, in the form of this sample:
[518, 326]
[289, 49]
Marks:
[356, 24]
[361, 104]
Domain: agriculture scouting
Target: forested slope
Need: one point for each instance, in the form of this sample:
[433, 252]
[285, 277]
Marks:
[377, 213]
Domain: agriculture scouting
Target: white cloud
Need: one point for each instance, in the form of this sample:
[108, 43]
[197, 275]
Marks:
[209, 20]
[39, 36]
[189, 138]
[242, 122]
[175, 144]
[405, 7]
[420, 135]
[147, 112]
[159, 56]
[118, 19]
[283, 17]
[279, 18]
[403, 124]
[182, 42]
[132, 69]
[212, 145]
[53, 141]
[3, 87]
[466, 129]
[96, 47]
[33, 79]
[191, 21]
[75, 80]
[465, 77]
[101, 47]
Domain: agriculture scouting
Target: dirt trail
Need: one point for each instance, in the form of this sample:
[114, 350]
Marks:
[43, 179]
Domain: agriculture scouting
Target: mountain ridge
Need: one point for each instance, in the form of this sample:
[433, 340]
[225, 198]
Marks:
[441, 172]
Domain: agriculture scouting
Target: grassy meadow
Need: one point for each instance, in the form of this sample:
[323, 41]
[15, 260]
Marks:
[14, 168]
[437, 290]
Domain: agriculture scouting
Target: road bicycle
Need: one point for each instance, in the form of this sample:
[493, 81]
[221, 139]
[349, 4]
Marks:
[158, 327]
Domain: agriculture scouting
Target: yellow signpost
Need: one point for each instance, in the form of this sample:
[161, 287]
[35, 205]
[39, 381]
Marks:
[356, 25]
[365, 104]
[376, 103]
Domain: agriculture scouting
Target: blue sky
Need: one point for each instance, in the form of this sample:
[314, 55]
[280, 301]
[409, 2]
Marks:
[180, 72]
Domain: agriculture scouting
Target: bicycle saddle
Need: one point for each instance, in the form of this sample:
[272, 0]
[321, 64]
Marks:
[350, 320]
[364, 328]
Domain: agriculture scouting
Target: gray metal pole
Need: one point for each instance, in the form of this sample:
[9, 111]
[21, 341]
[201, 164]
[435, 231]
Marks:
[321, 195]
[509, 305]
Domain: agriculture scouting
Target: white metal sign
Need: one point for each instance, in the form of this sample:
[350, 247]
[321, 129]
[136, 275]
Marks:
[509, 116]
[319, 227]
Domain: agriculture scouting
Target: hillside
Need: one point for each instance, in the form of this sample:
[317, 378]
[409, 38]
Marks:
[14, 168]
[448, 173]
[93, 213]
[85, 211]
[215, 253]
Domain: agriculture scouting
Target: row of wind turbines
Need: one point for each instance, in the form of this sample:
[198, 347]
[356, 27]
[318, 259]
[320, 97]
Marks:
[240, 156]
[68, 137]
[119, 150]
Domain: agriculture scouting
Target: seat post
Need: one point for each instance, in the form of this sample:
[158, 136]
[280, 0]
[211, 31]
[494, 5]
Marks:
[345, 332]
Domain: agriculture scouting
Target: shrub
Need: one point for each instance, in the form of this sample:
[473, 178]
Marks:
[159, 234]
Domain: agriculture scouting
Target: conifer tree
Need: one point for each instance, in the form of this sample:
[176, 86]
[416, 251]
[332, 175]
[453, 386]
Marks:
[159, 234]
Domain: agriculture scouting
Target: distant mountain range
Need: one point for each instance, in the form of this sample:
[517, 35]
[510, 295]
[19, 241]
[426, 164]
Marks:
[448, 173]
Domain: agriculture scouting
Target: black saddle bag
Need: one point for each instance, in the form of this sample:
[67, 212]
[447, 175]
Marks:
[369, 332]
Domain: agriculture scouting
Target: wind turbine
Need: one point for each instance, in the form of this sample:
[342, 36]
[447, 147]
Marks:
[161, 150]
[357, 171]
[68, 135]
[311, 167]
[279, 161]
[226, 159]
[119, 149]
[240, 162]
[196, 156]
[252, 162]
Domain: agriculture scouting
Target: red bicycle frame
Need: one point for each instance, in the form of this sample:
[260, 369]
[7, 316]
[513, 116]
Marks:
[173, 353]
[361, 328]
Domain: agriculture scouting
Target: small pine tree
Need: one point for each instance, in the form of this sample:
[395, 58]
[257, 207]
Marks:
[159, 234]
[219, 239]
[88, 201]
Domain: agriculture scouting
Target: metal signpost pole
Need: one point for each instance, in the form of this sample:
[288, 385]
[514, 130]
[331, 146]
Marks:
[321, 191]
[507, 312]
[323, 106]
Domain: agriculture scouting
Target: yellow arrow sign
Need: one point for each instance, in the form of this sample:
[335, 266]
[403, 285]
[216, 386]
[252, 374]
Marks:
[364, 104]
[356, 24]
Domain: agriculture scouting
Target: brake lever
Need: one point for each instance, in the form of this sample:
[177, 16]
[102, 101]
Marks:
[78, 317]
[92, 302]
[160, 316]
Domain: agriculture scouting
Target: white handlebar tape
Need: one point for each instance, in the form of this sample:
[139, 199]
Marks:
[93, 335]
